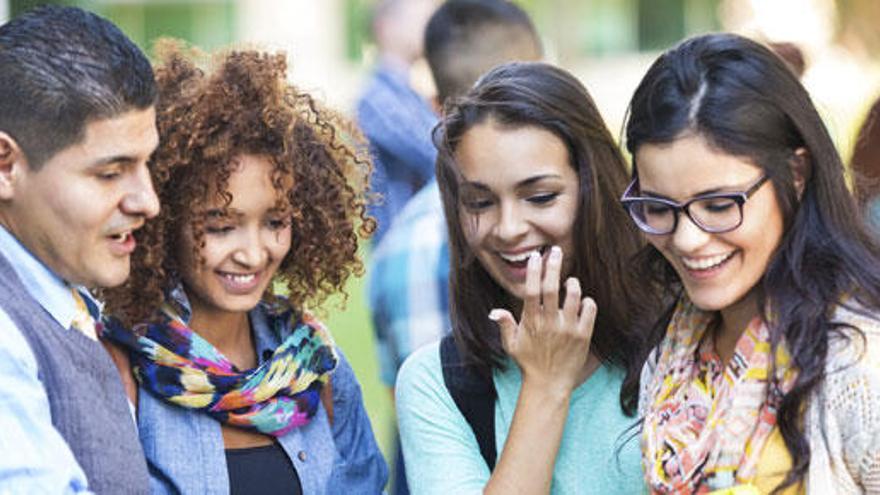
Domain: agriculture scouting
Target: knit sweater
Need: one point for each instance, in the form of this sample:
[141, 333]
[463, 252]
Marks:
[842, 421]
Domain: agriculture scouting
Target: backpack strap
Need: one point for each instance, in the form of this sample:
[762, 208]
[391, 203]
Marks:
[473, 394]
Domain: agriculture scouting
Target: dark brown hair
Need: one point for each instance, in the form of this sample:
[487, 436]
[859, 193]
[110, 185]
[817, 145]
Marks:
[745, 102]
[246, 106]
[518, 95]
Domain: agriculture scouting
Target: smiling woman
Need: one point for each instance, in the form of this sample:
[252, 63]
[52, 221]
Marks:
[530, 178]
[260, 186]
[766, 376]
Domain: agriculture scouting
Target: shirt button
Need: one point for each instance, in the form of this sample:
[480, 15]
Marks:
[302, 455]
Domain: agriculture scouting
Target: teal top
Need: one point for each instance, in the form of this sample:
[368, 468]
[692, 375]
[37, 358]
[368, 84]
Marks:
[599, 453]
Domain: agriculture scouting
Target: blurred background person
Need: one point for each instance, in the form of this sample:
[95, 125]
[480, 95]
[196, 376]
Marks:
[409, 271]
[396, 119]
[865, 166]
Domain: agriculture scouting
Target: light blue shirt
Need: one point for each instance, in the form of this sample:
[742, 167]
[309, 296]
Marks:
[34, 458]
[599, 453]
[409, 282]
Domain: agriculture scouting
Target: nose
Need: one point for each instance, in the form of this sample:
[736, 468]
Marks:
[252, 250]
[511, 224]
[141, 199]
[687, 236]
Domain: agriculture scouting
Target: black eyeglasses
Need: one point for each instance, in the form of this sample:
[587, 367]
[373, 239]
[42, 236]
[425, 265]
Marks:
[715, 213]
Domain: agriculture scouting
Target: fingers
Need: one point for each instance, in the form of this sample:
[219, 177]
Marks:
[572, 304]
[550, 283]
[506, 324]
[587, 318]
[532, 296]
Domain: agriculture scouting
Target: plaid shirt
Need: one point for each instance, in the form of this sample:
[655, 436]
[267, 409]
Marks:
[409, 280]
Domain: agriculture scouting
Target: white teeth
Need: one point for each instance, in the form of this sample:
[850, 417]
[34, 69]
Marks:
[705, 263]
[241, 279]
[518, 258]
[122, 236]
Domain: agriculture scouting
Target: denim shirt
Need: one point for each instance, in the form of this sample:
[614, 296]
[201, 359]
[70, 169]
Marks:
[185, 451]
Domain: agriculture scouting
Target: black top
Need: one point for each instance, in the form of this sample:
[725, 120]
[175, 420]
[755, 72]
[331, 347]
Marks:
[262, 470]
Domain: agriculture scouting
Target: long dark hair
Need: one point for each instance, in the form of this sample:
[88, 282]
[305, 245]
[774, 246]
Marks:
[535, 94]
[744, 101]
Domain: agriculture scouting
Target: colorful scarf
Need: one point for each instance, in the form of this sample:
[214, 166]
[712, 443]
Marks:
[706, 423]
[174, 363]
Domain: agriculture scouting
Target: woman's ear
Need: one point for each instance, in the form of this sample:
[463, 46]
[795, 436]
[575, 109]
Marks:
[800, 170]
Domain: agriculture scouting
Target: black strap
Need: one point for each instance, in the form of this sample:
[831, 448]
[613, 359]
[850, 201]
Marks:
[473, 394]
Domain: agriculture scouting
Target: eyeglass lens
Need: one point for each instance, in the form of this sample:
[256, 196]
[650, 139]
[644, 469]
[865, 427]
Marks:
[711, 214]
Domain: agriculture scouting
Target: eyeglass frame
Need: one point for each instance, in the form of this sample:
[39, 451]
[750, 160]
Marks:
[738, 197]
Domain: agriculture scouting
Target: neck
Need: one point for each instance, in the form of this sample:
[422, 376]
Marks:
[230, 333]
[396, 61]
[734, 320]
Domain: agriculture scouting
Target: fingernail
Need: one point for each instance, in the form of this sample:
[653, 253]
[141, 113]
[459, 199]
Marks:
[495, 315]
[555, 252]
[535, 256]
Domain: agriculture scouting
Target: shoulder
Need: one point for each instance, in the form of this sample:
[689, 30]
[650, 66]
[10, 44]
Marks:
[855, 349]
[420, 386]
[15, 351]
[421, 370]
[851, 388]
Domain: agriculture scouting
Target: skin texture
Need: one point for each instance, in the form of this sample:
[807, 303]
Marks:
[520, 193]
[690, 166]
[77, 212]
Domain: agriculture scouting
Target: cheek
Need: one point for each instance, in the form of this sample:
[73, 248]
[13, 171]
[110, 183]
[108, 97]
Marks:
[472, 226]
[282, 242]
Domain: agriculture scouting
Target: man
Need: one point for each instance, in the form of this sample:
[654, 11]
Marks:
[408, 284]
[77, 126]
[396, 120]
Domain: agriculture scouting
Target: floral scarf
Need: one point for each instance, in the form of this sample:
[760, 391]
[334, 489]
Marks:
[706, 423]
[174, 363]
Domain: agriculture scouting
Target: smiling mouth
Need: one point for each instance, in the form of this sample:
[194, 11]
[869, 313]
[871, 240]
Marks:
[121, 237]
[521, 260]
[239, 283]
[707, 263]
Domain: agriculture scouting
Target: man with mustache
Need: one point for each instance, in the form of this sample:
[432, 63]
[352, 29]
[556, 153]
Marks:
[77, 126]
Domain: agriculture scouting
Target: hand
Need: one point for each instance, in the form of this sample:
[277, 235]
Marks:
[550, 345]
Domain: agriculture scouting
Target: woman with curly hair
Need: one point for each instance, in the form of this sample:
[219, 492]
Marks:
[767, 374]
[239, 389]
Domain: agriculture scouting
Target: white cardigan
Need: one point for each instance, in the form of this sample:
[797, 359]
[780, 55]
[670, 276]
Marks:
[843, 413]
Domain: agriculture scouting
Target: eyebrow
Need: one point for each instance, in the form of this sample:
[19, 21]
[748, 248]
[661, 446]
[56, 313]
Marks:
[705, 192]
[121, 159]
[223, 212]
[519, 185]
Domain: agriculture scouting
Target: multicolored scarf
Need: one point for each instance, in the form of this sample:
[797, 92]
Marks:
[174, 363]
[706, 423]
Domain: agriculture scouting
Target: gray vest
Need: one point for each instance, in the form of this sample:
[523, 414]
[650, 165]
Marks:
[86, 397]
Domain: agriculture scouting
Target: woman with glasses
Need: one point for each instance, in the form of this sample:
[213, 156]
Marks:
[767, 372]
[530, 179]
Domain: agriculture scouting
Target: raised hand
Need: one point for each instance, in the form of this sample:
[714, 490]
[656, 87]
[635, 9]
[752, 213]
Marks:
[550, 344]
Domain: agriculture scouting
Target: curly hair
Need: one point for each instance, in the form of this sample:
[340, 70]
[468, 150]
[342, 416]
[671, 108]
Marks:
[246, 106]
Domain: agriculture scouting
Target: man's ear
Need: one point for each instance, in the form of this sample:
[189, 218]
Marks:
[12, 164]
[800, 170]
